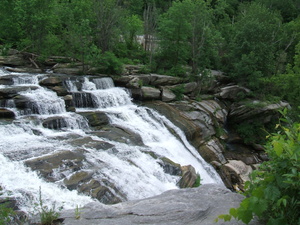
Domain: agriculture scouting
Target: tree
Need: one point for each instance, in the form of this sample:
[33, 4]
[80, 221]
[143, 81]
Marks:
[174, 32]
[253, 44]
[108, 16]
[9, 26]
[205, 39]
[37, 23]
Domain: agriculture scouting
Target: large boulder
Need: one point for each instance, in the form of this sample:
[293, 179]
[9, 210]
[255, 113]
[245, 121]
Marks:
[191, 206]
[212, 151]
[96, 119]
[150, 93]
[167, 95]
[233, 92]
[189, 177]
[249, 110]
[236, 173]
[6, 113]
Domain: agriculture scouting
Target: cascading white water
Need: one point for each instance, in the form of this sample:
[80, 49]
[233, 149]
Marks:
[19, 142]
[154, 131]
[132, 169]
[103, 83]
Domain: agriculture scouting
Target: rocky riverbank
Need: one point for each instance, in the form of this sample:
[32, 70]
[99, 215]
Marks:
[205, 113]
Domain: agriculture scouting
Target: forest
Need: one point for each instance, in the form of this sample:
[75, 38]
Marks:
[255, 42]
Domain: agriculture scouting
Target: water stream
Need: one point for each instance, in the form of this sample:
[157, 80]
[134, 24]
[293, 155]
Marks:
[129, 167]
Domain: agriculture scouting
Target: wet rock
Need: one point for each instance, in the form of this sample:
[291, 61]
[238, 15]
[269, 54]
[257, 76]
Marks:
[21, 102]
[62, 163]
[76, 178]
[5, 113]
[191, 206]
[69, 103]
[55, 123]
[170, 167]
[6, 80]
[60, 90]
[189, 177]
[119, 134]
[90, 143]
[102, 190]
[96, 119]
[192, 131]
[11, 92]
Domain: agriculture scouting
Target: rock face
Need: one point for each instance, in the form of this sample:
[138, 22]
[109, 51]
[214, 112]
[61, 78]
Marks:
[191, 206]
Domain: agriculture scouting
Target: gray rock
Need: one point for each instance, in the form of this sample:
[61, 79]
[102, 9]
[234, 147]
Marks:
[167, 95]
[212, 151]
[11, 92]
[150, 93]
[192, 206]
[250, 110]
[96, 119]
[237, 173]
[232, 92]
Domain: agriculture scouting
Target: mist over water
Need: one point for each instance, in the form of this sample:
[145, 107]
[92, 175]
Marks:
[130, 168]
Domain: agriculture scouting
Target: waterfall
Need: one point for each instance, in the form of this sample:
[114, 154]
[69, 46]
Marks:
[45, 128]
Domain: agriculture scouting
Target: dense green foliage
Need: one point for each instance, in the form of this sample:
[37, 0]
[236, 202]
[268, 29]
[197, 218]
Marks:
[253, 41]
[273, 194]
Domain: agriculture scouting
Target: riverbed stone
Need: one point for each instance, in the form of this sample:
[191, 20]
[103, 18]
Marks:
[6, 113]
[76, 178]
[96, 119]
[188, 178]
[64, 162]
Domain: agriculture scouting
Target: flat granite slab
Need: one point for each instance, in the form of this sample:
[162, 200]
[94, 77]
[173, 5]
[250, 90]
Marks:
[192, 206]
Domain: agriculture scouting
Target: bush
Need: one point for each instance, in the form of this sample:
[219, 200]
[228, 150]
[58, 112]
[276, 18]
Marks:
[47, 214]
[273, 192]
[110, 64]
[6, 214]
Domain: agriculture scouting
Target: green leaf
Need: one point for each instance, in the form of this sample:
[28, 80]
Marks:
[233, 212]
[278, 148]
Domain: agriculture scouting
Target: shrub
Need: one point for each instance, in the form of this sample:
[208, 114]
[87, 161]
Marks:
[273, 192]
[6, 214]
[178, 91]
[47, 214]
